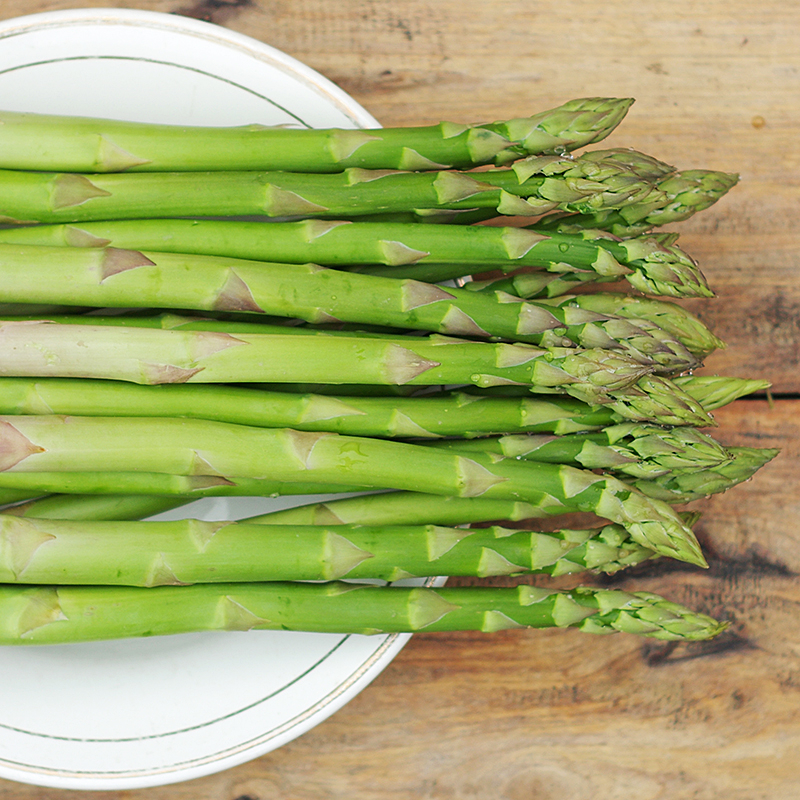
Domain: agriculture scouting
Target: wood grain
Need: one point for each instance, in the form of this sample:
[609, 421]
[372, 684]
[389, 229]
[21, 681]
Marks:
[560, 714]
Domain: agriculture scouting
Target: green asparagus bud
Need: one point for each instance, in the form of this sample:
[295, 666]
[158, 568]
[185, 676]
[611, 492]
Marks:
[685, 487]
[661, 400]
[684, 195]
[641, 451]
[670, 317]
[677, 323]
[716, 391]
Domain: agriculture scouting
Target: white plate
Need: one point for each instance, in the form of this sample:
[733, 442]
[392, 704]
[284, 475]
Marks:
[142, 713]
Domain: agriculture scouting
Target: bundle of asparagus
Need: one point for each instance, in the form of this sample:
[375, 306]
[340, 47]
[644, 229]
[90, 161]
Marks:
[152, 356]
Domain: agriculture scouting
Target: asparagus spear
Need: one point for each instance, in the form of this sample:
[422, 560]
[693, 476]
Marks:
[50, 615]
[220, 450]
[530, 187]
[381, 508]
[435, 415]
[409, 507]
[153, 356]
[134, 553]
[640, 451]
[76, 144]
[326, 242]
[111, 277]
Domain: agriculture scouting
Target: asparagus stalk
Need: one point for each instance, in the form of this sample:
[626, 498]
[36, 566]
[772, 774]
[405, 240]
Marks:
[219, 450]
[134, 553]
[78, 144]
[29, 485]
[50, 615]
[412, 508]
[110, 278]
[684, 195]
[677, 488]
[381, 508]
[81, 507]
[529, 187]
[640, 451]
[427, 416]
[154, 356]
[9, 496]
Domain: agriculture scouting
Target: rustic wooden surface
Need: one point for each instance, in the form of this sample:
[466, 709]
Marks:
[559, 714]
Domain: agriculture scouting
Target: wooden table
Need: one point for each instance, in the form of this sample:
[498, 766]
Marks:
[540, 715]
